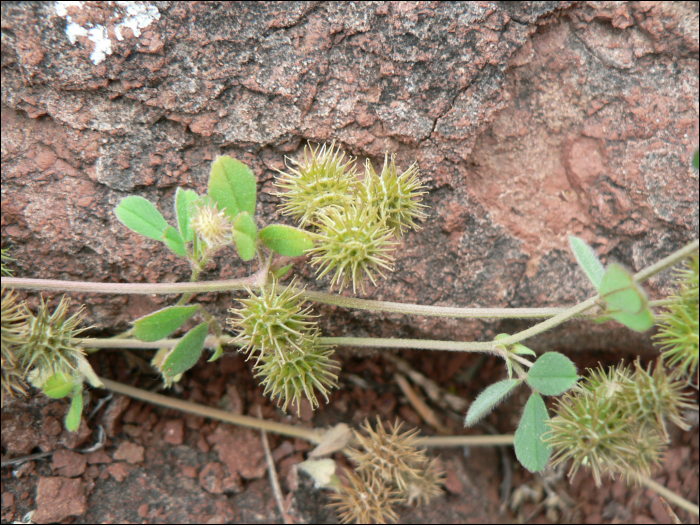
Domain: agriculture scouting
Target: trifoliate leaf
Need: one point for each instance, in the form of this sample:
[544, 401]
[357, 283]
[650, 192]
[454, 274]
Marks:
[161, 324]
[233, 186]
[587, 260]
[173, 239]
[552, 374]
[621, 292]
[141, 216]
[244, 234]
[286, 240]
[488, 399]
[187, 352]
[183, 211]
[640, 322]
[532, 453]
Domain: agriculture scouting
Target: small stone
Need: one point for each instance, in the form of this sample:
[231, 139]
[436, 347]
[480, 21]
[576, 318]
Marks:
[57, 498]
[211, 478]
[452, 483]
[8, 499]
[68, 464]
[98, 457]
[189, 472]
[118, 471]
[242, 452]
[232, 484]
[143, 510]
[174, 431]
[130, 452]
[111, 419]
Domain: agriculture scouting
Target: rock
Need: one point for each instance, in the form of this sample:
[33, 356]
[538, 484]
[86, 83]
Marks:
[57, 498]
[68, 464]
[211, 478]
[119, 471]
[529, 121]
[242, 451]
[130, 452]
[111, 419]
[174, 431]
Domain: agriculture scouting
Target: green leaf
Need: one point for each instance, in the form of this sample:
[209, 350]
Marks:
[174, 241]
[488, 399]
[286, 240]
[75, 411]
[696, 160]
[187, 352]
[232, 185]
[521, 349]
[183, 212]
[162, 323]
[532, 453]
[244, 235]
[281, 272]
[219, 352]
[621, 292]
[141, 216]
[58, 386]
[640, 322]
[552, 374]
[588, 260]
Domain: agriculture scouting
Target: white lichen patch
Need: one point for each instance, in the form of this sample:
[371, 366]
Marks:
[135, 16]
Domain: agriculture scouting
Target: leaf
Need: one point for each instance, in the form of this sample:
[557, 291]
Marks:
[162, 323]
[232, 185]
[88, 373]
[532, 453]
[244, 235]
[174, 241]
[552, 374]
[183, 212]
[640, 322]
[279, 273]
[488, 399]
[321, 470]
[75, 411]
[286, 240]
[187, 352]
[521, 349]
[219, 352]
[696, 160]
[620, 291]
[141, 216]
[337, 438]
[58, 386]
[588, 260]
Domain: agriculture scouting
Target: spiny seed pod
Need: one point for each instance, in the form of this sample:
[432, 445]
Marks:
[426, 486]
[366, 499]
[320, 181]
[678, 326]
[49, 347]
[211, 225]
[273, 322]
[653, 397]
[14, 335]
[594, 427]
[394, 457]
[353, 243]
[397, 197]
[300, 374]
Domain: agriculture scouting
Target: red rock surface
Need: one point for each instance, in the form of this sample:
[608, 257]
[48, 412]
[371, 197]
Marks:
[529, 121]
[57, 498]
